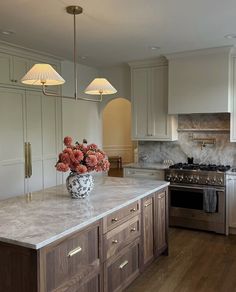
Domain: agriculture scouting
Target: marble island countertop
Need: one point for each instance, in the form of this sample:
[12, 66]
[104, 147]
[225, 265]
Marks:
[41, 218]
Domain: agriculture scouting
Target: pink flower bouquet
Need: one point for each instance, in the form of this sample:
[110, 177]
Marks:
[81, 158]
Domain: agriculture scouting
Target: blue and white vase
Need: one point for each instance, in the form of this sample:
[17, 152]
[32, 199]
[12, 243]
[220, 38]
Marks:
[79, 185]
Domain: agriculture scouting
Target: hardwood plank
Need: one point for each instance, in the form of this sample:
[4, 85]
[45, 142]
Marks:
[197, 262]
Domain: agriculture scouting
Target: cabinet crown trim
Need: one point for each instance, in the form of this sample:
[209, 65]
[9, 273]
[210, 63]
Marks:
[161, 61]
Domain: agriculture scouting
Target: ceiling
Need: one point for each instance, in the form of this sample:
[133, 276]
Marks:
[117, 31]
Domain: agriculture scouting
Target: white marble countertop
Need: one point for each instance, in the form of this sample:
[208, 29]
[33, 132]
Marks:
[157, 166]
[45, 216]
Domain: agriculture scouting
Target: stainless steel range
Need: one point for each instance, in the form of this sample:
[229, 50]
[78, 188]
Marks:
[197, 196]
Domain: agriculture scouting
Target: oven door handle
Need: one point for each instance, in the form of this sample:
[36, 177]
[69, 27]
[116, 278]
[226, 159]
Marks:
[197, 188]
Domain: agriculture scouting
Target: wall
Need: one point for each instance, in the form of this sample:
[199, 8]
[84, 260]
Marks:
[119, 77]
[117, 129]
[81, 119]
[223, 152]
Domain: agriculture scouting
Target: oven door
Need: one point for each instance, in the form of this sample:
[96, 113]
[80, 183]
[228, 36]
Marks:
[186, 208]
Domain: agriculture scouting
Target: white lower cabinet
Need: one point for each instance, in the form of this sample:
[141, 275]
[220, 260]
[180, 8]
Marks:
[231, 199]
[156, 174]
[28, 116]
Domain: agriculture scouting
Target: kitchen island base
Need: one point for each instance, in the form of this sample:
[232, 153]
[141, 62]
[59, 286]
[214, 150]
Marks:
[104, 256]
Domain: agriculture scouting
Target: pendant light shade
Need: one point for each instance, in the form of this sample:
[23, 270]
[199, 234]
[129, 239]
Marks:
[100, 86]
[42, 74]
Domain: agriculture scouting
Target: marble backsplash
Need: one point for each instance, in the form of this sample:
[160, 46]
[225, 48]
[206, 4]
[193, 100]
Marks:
[194, 126]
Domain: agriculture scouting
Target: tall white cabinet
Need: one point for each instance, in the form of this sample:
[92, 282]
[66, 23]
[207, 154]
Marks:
[149, 97]
[27, 116]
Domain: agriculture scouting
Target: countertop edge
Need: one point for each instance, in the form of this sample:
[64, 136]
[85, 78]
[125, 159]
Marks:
[84, 224]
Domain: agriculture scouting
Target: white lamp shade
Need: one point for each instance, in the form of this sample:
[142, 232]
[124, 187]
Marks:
[100, 86]
[42, 74]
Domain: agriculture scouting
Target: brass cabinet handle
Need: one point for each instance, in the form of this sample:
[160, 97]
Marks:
[26, 161]
[114, 219]
[115, 241]
[123, 264]
[146, 205]
[29, 160]
[133, 229]
[132, 210]
[74, 251]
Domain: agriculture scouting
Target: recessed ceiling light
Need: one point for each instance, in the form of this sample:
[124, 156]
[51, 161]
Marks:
[7, 32]
[230, 36]
[154, 48]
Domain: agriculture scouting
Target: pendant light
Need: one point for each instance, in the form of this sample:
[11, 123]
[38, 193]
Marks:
[44, 74]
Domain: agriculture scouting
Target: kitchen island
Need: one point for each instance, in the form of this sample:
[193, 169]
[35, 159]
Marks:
[50, 242]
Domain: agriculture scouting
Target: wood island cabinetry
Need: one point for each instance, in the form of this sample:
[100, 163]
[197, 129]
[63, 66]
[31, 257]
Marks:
[105, 256]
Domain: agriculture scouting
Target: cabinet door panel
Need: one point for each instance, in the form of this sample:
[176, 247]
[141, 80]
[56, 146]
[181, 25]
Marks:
[34, 137]
[20, 68]
[49, 140]
[160, 222]
[147, 230]
[158, 103]
[140, 93]
[11, 142]
[6, 68]
[231, 195]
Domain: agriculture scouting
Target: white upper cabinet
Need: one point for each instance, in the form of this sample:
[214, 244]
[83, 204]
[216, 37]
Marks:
[14, 66]
[149, 92]
[199, 82]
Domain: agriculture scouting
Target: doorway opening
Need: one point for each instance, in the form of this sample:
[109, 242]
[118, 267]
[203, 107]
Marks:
[117, 143]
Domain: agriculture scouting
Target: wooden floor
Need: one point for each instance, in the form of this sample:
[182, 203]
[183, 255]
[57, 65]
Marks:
[197, 262]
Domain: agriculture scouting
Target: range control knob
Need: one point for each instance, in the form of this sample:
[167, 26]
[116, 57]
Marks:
[220, 181]
[190, 179]
[207, 180]
[175, 178]
[168, 177]
[181, 178]
[196, 179]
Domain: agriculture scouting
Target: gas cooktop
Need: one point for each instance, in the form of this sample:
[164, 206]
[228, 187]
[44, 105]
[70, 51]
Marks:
[204, 167]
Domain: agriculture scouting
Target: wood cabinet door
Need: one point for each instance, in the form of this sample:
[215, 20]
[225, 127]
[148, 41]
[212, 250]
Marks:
[121, 270]
[71, 262]
[160, 222]
[147, 230]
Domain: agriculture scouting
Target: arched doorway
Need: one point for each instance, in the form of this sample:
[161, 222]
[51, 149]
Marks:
[116, 121]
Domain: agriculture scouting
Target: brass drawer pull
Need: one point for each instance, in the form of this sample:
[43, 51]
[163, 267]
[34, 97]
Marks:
[114, 219]
[132, 210]
[115, 241]
[74, 251]
[123, 264]
[146, 205]
[133, 229]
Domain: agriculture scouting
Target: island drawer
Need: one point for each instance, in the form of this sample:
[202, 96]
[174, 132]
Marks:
[116, 239]
[120, 216]
[121, 270]
[71, 260]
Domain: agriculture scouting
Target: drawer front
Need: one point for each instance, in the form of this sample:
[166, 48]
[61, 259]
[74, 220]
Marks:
[121, 271]
[93, 284]
[144, 173]
[116, 239]
[120, 216]
[72, 259]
